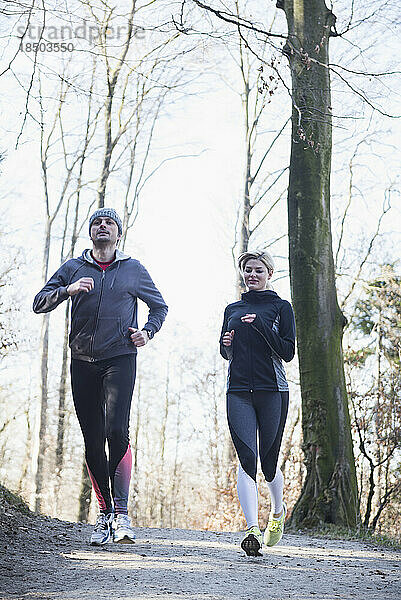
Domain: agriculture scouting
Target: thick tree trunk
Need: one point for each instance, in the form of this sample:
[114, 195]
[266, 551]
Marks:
[329, 493]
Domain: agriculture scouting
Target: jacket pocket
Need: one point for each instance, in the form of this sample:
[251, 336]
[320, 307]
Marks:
[108, 335]
[81, 335]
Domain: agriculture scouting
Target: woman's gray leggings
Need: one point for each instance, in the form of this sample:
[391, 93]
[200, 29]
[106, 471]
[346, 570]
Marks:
[264, 413]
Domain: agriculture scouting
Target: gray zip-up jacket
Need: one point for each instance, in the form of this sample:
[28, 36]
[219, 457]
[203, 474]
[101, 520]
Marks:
[100, 318]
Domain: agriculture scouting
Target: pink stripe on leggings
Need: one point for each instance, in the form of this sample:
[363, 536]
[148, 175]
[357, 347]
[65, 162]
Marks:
[100, 499]
[122, 478]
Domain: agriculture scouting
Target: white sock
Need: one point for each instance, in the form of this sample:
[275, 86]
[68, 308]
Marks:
[276, 491]
[248, 497]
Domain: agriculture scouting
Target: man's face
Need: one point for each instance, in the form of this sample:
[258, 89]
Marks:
[104, 231]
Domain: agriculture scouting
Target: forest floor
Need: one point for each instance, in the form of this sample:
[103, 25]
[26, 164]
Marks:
[48, 559]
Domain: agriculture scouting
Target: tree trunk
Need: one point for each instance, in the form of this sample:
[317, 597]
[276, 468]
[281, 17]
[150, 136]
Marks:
[108, 149]
[61, 406]
[245, 231]
[134, 487]
[85, 494]
[40, 445]
[112, 80]
[162, 490]
[175, 479]
[329, 493]
[38, 466]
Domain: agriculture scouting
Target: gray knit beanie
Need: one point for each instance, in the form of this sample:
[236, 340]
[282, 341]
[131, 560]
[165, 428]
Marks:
[106, 212]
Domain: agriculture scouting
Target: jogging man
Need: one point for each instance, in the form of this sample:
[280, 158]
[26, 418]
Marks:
[104, 284]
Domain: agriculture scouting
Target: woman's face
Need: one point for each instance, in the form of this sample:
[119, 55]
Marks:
[256, 275]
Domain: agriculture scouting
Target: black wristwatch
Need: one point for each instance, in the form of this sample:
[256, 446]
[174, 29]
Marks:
[149, 332]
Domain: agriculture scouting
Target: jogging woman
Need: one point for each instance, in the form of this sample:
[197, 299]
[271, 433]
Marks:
[258, 333]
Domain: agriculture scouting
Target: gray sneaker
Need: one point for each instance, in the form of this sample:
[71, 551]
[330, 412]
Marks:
[123, 530]
[102, 531]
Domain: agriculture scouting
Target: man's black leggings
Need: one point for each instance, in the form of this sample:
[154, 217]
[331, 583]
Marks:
[102, 393]
[262, 413]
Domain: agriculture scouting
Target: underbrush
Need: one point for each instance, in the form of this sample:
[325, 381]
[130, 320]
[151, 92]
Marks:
[11, 500]
[361, 534]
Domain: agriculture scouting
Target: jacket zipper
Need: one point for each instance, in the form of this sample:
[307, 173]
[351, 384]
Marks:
[267, 343]
[250, 361]
[97, 315]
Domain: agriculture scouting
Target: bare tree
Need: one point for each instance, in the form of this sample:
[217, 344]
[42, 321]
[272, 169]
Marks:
[376, 412]
[53, 139]
[330, 490]
[124, 71]
[51, 214]
[259, 83]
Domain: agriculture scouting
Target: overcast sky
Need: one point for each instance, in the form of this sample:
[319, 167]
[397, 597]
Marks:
[188, 210]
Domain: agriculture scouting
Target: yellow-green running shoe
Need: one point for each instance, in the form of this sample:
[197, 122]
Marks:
[275, 528]
[252, 542]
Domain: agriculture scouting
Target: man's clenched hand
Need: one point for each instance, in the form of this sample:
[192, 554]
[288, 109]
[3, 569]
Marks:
[138, 337]
[85, 284]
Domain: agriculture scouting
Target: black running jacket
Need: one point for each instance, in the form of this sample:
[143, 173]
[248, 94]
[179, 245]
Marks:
[258, 349]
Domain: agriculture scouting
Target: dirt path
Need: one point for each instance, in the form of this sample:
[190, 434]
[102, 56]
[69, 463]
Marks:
[51, 560]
